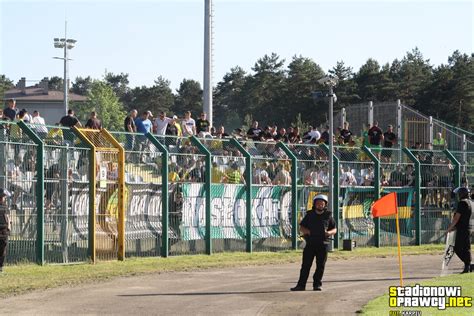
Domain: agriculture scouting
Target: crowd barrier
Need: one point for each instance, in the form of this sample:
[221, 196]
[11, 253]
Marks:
[75, 199]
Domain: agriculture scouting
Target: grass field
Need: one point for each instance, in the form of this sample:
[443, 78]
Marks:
[380, 305]
[18, 279]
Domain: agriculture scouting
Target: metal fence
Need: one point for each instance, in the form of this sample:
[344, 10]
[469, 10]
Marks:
[222, 195]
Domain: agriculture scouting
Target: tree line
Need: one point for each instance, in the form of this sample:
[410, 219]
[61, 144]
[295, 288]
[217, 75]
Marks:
[274, 93]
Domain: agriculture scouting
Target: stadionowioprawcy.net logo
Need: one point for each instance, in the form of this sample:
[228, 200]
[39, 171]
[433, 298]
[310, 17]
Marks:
[441, 297]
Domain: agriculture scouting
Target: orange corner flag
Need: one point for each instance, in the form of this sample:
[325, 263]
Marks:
[385, 206]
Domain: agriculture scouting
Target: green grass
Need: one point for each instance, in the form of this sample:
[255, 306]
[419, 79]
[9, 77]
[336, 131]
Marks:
[22, 278]
[380, 305]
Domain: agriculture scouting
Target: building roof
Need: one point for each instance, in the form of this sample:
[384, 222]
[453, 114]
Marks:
[37, 94]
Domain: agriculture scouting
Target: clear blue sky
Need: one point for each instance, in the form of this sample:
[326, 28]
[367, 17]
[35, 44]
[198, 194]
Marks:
[150, 38]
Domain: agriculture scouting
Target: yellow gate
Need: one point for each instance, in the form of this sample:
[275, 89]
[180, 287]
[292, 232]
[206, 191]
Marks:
[108, 194]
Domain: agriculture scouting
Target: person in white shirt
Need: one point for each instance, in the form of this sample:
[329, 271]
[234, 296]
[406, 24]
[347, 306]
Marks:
[188, 125]
[312, 136]
[39, 125]
[161, 123]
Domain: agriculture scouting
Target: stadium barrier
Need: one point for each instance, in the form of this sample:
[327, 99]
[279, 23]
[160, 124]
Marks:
[221, 194]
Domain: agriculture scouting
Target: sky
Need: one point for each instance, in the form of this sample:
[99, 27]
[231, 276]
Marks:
[152, 38]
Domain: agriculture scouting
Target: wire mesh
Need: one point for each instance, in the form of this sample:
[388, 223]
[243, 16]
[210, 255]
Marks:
[143, 206]
[466, 159]
[313, 176]
[228, 194]
[437, 181]
[186, 172]
[271, 196]
[17, 174]
[356, 185]
[397, 175]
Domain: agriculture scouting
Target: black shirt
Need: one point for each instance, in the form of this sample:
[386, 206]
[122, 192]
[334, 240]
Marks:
[129, 122]
[389, 139]
[10, 113]
[201, 125]
[318, 225]
[69, 121]
[465, 209]
[255, 133]
[346, 135]
[325, 137]
[375, 134]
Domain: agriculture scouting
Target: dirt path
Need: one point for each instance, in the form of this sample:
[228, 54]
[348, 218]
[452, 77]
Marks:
[263, 290]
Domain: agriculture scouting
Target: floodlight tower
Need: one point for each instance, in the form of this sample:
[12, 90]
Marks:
[331, 82]
[207, 86]
[66, 44]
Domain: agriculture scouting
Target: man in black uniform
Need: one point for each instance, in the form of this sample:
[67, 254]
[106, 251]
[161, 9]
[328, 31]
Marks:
[317, 226]
[5, 226]
[460, 223]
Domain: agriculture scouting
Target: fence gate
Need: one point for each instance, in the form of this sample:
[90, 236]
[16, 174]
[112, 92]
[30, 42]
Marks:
[107, 187]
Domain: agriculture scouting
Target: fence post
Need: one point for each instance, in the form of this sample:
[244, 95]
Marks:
[248, 193]
[92, 195]
[207, 187]
[343, 116]
[120, 193]
[335, 198]
[417, 193]
[371, 113]
[376, 189]
[39, 191]
[430, 131]
[457, 168]
[164, 194]
[294, 194]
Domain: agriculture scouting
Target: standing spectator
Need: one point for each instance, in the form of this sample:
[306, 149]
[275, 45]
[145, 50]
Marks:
[39, 125]
[345, 133]
[375, 137]
[365, 136]
[220, 133]
[281, 136]
[267, 135]
[93, 122]
[178, 126]
[11, 111]
[312, 136]
[295, 137]
[188, 125]
[325, 136]
[202, 123]
[255, 132]
[390, 139]
[5, 226]
[70, 120]
[439, 143]
[143, 123]
[130, 127]
[282, 176]
[161, 123]
[27, 117]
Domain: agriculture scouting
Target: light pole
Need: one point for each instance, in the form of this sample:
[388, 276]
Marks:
[66, 44]
[331, 82]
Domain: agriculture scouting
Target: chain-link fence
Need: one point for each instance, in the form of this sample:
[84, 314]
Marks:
[17, 174]
[271, 196]
[357, 192]
[437, 182]
[228, 194]
[143, 202]
[397, 175]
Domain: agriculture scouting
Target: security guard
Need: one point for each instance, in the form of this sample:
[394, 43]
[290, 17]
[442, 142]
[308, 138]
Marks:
[317, 226]
[460, 223]
[5, 225]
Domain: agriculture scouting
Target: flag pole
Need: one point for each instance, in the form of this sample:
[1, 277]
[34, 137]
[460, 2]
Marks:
[399, 250]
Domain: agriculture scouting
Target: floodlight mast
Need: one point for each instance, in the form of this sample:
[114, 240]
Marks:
[331, 82]
[66, 44]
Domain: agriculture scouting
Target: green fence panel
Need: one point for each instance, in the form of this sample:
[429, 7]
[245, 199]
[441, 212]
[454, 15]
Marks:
[271, 196]
[18, 175]
[145, 199]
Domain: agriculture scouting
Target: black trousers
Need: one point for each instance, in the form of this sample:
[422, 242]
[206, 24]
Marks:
[320, 251]
[462, 246]
[3, 249]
